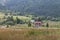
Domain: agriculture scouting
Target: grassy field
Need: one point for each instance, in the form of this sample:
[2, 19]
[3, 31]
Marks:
[53, 24]
[22, 18]
[29, 34]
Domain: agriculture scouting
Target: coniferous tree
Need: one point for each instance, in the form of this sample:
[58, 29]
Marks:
[29, 24]
[47, 25]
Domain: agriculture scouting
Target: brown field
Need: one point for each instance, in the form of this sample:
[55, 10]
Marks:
[30, 34]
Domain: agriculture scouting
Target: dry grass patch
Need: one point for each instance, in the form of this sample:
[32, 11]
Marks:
[29, 34]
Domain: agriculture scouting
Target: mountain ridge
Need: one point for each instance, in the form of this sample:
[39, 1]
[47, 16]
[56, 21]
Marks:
[37, 7]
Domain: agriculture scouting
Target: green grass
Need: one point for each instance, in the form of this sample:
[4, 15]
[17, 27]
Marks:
[1, 15]
[22, 18]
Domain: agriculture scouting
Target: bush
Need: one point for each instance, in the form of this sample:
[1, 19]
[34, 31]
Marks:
[10, 18]
[18, 21]
[1, 23]
[10, 23]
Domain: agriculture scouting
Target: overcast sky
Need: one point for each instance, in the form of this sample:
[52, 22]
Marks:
[3, 2]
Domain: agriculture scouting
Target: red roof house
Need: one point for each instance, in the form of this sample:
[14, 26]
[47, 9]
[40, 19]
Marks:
[37, 23]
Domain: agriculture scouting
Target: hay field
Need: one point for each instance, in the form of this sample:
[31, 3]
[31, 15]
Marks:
[29, 34]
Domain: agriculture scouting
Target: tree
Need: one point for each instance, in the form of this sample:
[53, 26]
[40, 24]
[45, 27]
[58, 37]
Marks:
[4, 17]
[6, 14]
[10, 21]
[17, 20]
[29, 24]
[47, 25]
[11, 18]
[39, 19]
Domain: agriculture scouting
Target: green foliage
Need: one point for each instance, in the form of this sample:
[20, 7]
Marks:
[42, 17]
[4, 17]
[39, 19]
[10, 23]
[11, 18]
[29, 24]
[55, 19]
[6, 14]
[1, 23]
[47, 25]
[18, 21]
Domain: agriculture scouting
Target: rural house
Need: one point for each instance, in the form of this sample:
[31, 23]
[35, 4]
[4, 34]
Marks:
[37, 23]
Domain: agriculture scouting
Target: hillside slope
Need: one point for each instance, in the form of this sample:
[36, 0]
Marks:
[36, 7]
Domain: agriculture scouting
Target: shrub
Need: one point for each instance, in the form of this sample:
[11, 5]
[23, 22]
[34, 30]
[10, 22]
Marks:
[10, 23]
[29, 24]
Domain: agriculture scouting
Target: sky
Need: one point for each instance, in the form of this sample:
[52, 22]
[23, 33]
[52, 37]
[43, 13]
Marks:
[3, 2]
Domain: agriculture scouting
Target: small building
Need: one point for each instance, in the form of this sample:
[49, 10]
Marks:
[32, 21]
[37, 24]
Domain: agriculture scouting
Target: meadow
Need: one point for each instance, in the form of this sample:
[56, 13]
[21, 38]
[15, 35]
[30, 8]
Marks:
[29, 34]
[52, 24]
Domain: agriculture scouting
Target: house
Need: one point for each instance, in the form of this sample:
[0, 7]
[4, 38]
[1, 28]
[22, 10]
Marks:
[37, 24]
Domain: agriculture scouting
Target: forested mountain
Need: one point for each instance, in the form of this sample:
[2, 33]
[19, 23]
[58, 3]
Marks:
[36, 7]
